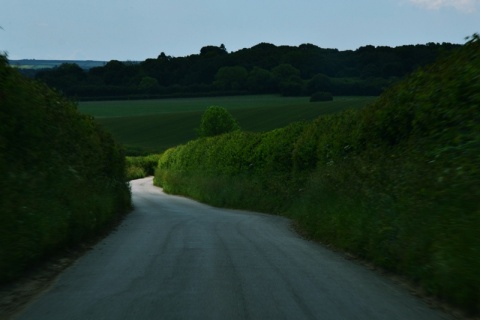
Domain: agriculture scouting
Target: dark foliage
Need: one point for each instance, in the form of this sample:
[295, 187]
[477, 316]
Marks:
[63, 177]
[215, 121]
[264, 68]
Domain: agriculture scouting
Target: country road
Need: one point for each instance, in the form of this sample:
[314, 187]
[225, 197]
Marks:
[174, 258]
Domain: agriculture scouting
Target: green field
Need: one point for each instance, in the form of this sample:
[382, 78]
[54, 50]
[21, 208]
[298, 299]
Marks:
[145, 126]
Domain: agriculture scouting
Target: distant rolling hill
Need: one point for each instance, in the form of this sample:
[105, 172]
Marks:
[34, 64]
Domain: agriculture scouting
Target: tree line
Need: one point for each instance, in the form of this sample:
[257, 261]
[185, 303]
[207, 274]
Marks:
[261, 69]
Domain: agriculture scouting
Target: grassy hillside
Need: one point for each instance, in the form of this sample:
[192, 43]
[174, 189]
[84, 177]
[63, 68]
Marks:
[46, 64]
[396, 183]
[147, 126]
[63, 176]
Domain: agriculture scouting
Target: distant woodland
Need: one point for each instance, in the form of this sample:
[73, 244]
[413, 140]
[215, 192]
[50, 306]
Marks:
[262, 69]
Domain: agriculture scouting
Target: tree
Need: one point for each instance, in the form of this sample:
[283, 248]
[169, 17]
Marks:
[320, 82]
[215, 121]
[118, 73]
[212, 51]
[260, 81]
[231, 78]
[284, 72]
[288, 80]
[291, 87]
[163, 57]
[148, 84]
[64, 77]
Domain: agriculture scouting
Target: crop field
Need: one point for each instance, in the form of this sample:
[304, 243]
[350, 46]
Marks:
[152, 126]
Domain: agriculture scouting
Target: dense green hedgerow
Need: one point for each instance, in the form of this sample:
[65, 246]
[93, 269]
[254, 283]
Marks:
[397, 183]
[141, 166]
[63, 177]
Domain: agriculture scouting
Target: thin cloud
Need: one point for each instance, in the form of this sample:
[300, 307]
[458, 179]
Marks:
[466, 6]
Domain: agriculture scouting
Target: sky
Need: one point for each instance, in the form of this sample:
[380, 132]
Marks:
[136, 30]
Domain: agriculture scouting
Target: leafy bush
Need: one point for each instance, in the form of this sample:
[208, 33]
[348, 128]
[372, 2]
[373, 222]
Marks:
[141, 166]
[135, 172]
[321, 96]
[215, 121]
[63, 177]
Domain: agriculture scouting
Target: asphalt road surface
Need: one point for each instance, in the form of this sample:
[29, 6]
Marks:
[174, 258]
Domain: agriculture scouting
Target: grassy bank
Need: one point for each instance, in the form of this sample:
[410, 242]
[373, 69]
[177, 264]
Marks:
[396, 183]
[63, 178]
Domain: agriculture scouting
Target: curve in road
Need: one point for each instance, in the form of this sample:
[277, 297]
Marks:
[174, 258]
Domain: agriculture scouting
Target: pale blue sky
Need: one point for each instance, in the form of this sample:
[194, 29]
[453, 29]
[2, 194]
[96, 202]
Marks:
[136, 30]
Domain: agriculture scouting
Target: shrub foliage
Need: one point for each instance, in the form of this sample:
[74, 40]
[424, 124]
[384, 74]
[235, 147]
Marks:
[396, 183]
[62, 179]
[141, 166]
[215, 121]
